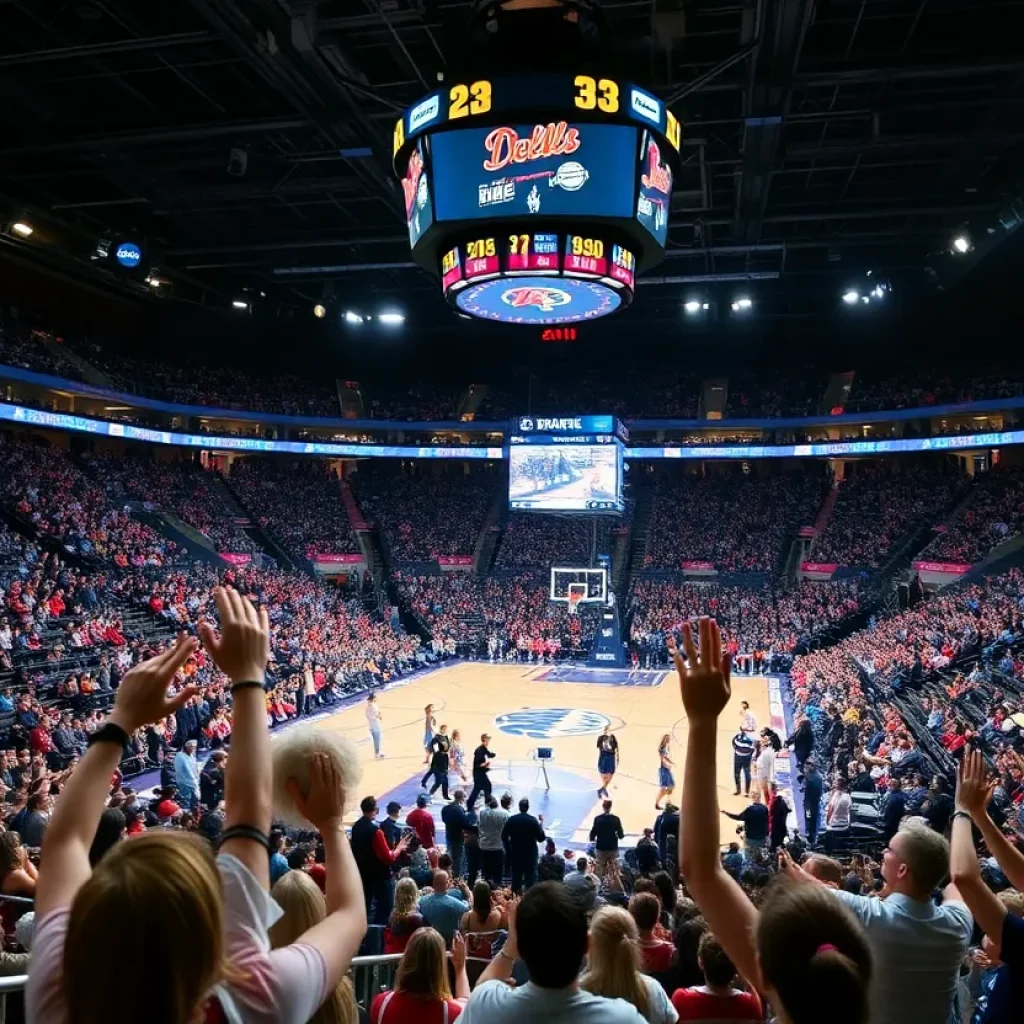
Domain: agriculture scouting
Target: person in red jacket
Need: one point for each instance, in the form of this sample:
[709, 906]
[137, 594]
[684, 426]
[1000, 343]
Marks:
[422, 821]
[716, 1000]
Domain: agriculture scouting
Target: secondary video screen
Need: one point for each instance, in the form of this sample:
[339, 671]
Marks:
[565, 477]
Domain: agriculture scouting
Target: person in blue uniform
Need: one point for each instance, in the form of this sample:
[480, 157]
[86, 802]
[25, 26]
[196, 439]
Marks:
[607, 758]
[666, 780]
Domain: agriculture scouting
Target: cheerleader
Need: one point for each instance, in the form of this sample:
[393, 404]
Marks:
[428, 732]
[607, 759]
[458, 756]
[666, 780]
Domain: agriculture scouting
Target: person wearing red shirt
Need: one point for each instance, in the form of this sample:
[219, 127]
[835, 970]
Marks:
[716, 1001]
[422, 821]
[421, 993]
[656, 955]
[39, 738]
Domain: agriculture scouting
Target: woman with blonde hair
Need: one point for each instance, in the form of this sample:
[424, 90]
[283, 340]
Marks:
[421, 994]
[405, 918]
[205, 920]
[304, 907]
[613, 967]
[666, 780]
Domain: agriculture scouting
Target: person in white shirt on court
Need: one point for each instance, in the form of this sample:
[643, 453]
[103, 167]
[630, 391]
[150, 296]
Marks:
[373, 720]
[748, 720]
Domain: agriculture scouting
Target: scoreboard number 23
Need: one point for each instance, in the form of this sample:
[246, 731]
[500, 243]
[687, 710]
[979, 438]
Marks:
[469, 99]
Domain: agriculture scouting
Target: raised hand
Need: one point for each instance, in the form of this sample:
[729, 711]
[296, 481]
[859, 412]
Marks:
[142, 696]
[242, 647]
[458, 952]
[973, 786]
[704, 677]
[323, 806]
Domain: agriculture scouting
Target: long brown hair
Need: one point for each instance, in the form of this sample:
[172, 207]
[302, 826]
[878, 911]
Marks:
[423, 970]
[164, 891]
[613, 969]
[304, 906]
[813, 952]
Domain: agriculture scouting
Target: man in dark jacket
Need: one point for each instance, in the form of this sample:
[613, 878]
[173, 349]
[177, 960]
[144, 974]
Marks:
[813, 786]
[894, 806]
[605, 833]
[755, 823]
[374, 859]
[666, 835]
[743, 747]
[521, 834]
[778, 812]
[802, 742]
[456, 821]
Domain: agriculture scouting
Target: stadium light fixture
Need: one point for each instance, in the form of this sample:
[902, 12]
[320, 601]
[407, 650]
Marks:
[352, 318]
[19, 227]
[851, 297]
[693, 306]
[961, 244]
[391, 319]
[319, 311]
[742, 304]
[239, 304]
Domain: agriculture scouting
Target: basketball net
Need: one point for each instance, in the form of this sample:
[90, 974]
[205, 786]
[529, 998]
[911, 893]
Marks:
[574, 599]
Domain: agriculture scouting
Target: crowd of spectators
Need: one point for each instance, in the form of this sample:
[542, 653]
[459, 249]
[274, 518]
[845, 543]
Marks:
[735, 521]
[298, 503]
[993, 514]
[878, 388]
[531, 541]
[882, 504]
[182, 487]
[424, 511]
[43, 485]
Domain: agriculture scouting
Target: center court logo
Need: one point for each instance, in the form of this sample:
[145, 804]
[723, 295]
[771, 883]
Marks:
[550, 723]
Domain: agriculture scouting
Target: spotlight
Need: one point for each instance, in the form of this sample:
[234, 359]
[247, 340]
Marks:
[693, 306]
[239, 303]
[850, 297]
[961, 244]
[319, 311]
[19, 227]
[391, 319]
[878, 291]
[352, 318]
[742, 303]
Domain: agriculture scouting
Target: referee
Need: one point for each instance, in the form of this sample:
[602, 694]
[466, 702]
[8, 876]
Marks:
[482, 758]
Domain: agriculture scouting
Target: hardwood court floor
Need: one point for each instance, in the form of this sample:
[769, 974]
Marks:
[470, 696]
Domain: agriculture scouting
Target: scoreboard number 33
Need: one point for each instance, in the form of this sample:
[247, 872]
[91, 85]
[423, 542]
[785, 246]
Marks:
[602, 94]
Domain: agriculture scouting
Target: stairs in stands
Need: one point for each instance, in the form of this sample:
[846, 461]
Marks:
[837, 392]
[350, 399]
[261, 536]
[89, 372]
[471, 400]
[490, 532]
[638, 539]
[241, 518]
[823, 516]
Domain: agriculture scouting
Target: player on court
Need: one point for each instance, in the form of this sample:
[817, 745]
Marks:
[428, 732]
[440, 747]
[607, 758]
[373, 720]
[458, 756]
[666, 780]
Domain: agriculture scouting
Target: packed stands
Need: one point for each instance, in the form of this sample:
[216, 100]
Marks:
[44, 485]
[184, 488]
[538, 541]
[875, 390]
[424, 511]
[882, 504]
[993, 513]
[738, 523]
[298, 503]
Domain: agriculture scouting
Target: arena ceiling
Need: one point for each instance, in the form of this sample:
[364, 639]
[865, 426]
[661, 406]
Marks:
[821, 139]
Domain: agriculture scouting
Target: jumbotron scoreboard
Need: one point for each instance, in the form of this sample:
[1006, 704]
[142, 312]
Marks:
[537, 198]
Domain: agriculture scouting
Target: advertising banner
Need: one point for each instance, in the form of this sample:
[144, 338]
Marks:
[235, 557]
[957, 568]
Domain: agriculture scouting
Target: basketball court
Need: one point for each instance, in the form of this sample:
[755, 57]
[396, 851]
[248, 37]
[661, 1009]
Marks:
[524, 707]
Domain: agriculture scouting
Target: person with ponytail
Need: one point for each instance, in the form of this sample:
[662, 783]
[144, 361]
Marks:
[613, 967]
[803, 951]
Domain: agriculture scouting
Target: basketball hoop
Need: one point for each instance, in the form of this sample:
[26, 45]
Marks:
[575, 596]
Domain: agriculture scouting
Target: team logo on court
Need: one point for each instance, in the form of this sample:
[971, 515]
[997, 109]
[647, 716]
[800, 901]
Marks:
[550, 723]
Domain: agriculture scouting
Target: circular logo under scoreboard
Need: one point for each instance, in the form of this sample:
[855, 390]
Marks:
[550, 723]
[538, 300]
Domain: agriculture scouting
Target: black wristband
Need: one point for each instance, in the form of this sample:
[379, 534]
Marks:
[246, 832]
[111, 732]
[246, 684]
[962, 814]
